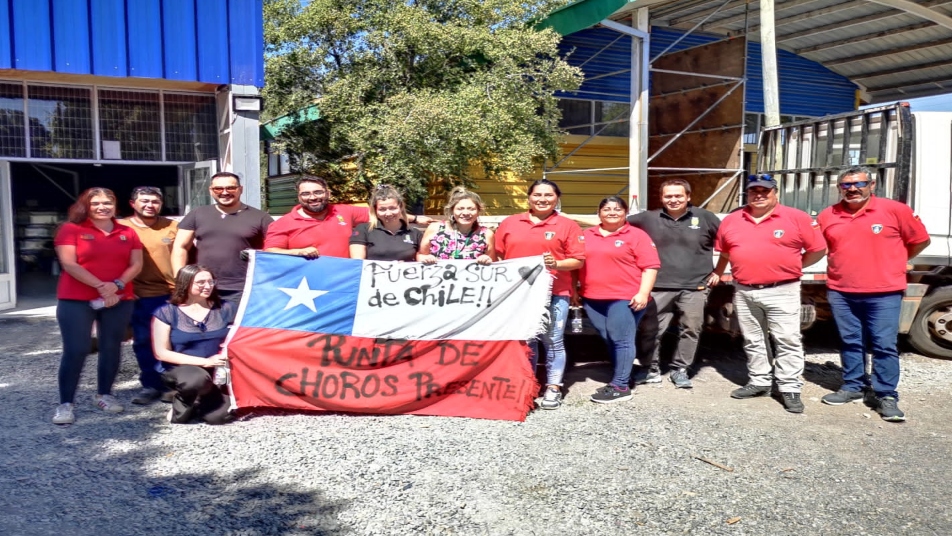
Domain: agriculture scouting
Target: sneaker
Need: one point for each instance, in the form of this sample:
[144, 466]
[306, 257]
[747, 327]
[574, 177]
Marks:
[680, 379]
[108, 403]
[609, 394]
[889, 410]
[841, 397]
[750, 391]
[792, 402]
[167, 397]
[146, 396]
[64, 414]
[647, 376]
[552, 398]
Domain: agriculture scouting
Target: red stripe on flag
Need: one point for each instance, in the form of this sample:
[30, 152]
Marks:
[312, 371]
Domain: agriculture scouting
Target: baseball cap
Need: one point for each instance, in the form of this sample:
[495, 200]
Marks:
[763, 180]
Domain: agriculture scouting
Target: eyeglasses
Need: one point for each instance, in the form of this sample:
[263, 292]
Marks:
[211, 283]
[309, 195]
[858, 184]
[145, 190]
[220, 189]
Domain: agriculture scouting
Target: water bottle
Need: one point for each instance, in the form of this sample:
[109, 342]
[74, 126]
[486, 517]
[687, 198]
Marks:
[97, 304]
[575, 320]
[221, 375]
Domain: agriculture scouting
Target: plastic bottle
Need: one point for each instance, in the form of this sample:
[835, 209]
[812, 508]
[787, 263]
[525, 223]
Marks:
[575, 320]
[97, 304]
[221, 375]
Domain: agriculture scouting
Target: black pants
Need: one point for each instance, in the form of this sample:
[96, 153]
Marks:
[196, 395]
[75, 318]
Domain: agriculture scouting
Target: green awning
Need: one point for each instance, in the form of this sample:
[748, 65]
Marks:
[272, 129]
[580, 15]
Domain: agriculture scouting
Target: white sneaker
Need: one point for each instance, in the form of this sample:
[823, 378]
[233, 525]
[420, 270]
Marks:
[108, 403]
[552, 398]
[64, 414]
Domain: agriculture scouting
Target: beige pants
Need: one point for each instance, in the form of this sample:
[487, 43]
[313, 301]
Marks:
[775, 311]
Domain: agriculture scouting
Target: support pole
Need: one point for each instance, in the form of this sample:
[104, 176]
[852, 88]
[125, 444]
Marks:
[768, 44]
[638, 120]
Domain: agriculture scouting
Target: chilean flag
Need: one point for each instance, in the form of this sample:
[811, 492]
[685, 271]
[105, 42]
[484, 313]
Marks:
[333, 334]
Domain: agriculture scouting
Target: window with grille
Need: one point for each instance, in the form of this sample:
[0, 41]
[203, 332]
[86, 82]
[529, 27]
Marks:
[12, 133]
[130, 125]
[61, 122]
[191, 133]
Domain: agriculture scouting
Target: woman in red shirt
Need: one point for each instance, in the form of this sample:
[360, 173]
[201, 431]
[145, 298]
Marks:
[543, 231]
[99, 258]
[621, 264]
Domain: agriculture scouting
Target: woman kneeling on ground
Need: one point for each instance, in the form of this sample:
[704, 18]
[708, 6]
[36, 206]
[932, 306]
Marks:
[188, 332]
[621, 264]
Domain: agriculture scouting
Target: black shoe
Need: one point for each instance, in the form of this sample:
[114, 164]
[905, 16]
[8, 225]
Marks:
[750, 391]
[889, 410]
[841, 397]
[792, 402]
[609, 394]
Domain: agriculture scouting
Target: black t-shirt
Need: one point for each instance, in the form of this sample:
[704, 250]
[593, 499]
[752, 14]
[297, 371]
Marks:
[685, 245]
[384, 246]
[220, 238]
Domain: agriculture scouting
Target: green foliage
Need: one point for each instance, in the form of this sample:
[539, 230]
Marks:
[415, 91]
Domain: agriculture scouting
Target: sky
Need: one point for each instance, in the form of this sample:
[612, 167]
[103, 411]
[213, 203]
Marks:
[938, 103]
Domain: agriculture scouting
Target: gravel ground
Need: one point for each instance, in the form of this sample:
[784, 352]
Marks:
[585, 469]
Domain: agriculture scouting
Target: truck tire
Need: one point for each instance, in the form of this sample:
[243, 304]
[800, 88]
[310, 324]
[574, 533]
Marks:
[931, 331]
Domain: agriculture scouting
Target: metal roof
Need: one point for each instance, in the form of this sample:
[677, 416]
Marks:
[889, 51]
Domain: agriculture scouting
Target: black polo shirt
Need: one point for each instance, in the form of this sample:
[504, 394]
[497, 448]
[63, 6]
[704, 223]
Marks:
[685, 245]
[382, 245]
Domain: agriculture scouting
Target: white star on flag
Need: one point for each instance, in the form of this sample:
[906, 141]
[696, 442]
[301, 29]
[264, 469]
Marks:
[302, 295]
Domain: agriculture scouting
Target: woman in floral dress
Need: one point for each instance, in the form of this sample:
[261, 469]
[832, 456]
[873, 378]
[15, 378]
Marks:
[460, 236]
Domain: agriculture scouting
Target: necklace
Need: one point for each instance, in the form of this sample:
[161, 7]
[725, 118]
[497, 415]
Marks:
[458, 251]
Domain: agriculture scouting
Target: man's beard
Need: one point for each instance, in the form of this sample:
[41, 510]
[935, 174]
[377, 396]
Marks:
[315, 209]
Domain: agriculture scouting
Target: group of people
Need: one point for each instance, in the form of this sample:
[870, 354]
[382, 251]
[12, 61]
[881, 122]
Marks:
[633, 274]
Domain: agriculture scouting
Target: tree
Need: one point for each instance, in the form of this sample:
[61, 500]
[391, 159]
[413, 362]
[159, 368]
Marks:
[415, 91]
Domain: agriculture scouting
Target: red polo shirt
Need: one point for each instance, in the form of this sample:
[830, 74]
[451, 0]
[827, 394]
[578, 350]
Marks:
[769, 251]
[105, 255]
[518, 236]
[614, 263]
[868, 249]
[331, 236]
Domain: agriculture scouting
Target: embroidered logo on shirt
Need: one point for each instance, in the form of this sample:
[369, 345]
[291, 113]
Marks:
[778, 233]
[549, 235]
[340, 220]
[166, 240]
[619, 243]
[877, 228]
[695, 221]
[87, 237]
[407, 239]
[581, 238]
[122, 238]
[814, 224]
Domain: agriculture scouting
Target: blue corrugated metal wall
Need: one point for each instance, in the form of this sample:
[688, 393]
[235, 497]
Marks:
[806, 87]
[212, 41]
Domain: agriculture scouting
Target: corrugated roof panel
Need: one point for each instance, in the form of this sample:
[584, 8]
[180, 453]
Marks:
[32, 49]
[241, 21]
[71, 26]
[181, 61]
[145, 42]
[213, 58]
[884, 44]
[108, 30]
[6, 45]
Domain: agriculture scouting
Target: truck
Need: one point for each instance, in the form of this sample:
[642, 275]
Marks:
[910, 155]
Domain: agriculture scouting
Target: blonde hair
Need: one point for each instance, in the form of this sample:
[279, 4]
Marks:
[382, 193]
[456, 195]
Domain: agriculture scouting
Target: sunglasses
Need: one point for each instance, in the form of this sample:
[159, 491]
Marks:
[220, 189]
[858, 184]
[764, 177]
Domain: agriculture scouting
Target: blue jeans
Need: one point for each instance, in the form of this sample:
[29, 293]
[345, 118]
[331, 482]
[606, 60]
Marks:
[75, 318]
[868, 321]
[554, 341]
[617, 324]
[150, 368]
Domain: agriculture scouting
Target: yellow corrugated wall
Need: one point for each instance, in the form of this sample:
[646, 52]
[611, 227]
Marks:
[581, 192]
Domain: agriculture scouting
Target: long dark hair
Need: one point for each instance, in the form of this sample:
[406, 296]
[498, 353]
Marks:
[545, 182]
[183, 283]
[79, 211]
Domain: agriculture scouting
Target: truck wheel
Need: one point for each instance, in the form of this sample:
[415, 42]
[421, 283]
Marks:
[931, 331]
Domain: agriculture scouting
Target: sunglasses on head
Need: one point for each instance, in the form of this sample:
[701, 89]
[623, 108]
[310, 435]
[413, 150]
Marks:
[764, 177]
[858, 184]
[220, 189]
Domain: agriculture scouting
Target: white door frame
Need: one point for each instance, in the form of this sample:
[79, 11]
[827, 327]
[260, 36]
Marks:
[8, 272]
[187, 200]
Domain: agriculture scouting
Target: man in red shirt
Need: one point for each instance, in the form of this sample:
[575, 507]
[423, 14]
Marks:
[870, 241]
[316, 227]
[767, 245]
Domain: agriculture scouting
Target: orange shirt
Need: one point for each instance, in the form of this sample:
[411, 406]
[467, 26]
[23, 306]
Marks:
[156, 277]
[105, 255]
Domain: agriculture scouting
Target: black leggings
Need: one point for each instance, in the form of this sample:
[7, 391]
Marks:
[75, 318]
[196, 395]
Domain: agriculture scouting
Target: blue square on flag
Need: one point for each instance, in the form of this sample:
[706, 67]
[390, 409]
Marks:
[288, 292]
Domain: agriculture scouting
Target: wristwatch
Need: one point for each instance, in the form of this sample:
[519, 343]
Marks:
[119, 284]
